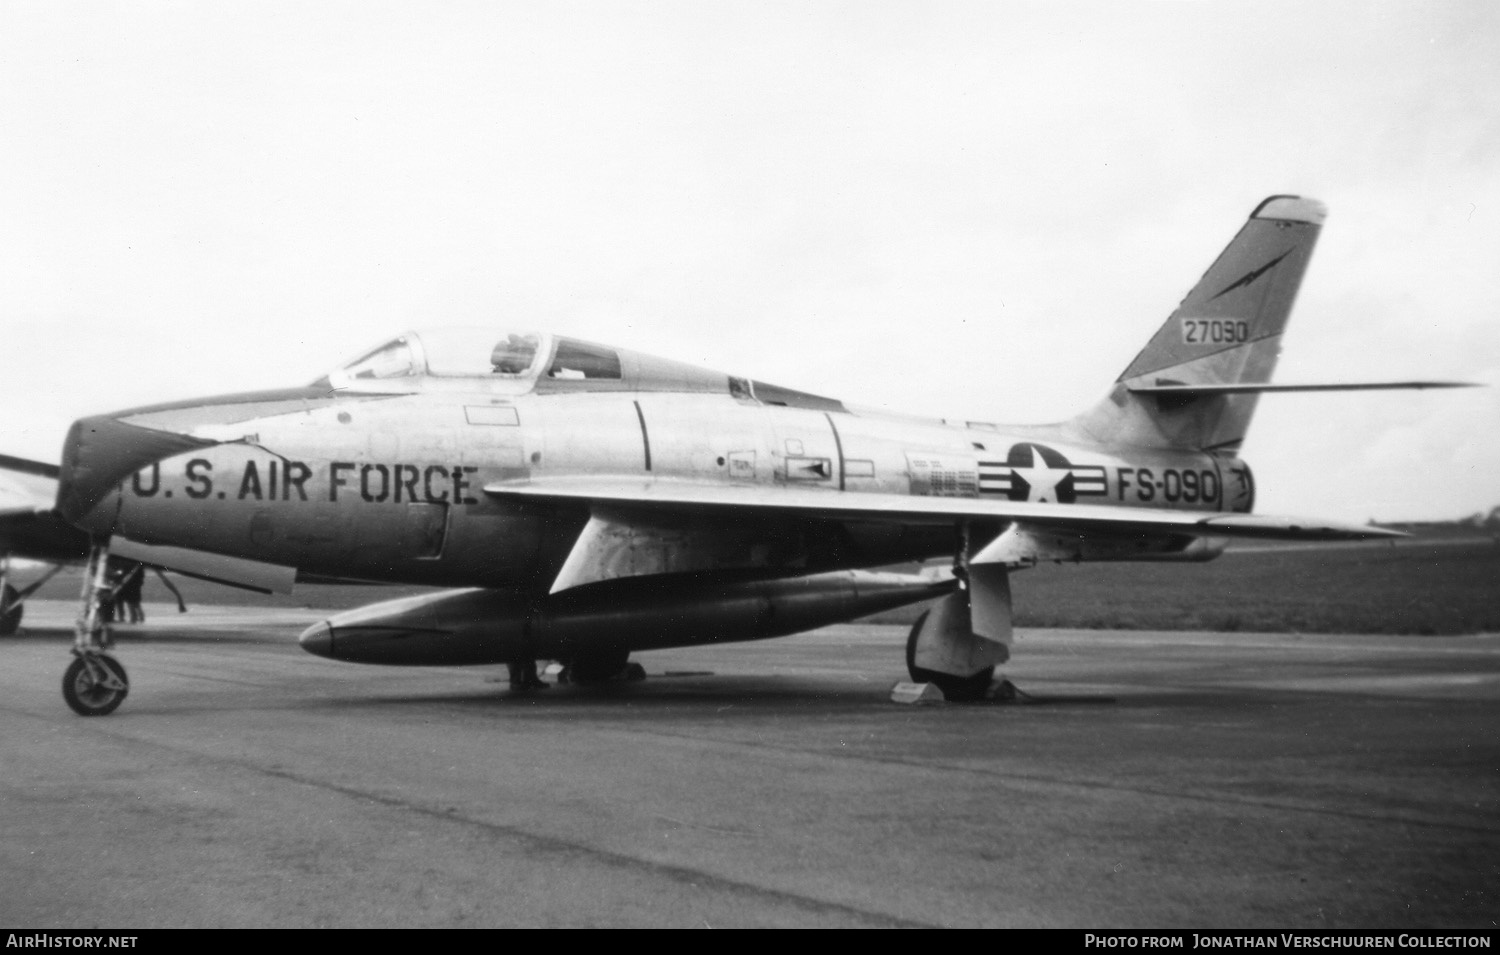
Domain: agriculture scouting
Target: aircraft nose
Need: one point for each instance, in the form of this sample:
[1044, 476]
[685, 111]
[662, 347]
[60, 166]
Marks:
[318, 639]
[102, 451]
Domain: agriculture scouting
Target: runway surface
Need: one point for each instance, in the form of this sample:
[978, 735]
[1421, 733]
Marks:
[1157, 780]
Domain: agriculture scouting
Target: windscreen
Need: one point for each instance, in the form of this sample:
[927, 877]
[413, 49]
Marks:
[451, 353]
[394, 359]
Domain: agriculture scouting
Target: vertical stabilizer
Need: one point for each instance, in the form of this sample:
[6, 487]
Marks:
[1227, 331]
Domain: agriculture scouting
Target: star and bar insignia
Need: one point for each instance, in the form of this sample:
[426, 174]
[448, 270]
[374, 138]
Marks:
[1034, 472]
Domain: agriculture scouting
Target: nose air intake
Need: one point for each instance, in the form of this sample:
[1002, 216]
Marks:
[102, 451]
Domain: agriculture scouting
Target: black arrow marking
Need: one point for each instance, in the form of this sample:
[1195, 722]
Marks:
[1253, 274]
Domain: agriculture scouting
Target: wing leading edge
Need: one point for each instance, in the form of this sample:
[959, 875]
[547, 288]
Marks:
[705, 497]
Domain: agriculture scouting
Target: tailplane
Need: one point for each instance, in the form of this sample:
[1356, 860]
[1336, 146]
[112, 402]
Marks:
[1177, 392]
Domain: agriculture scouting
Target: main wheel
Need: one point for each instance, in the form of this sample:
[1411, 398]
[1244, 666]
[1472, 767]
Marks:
[10, 620]
[956, 689]
[598, 667]
[89, 696]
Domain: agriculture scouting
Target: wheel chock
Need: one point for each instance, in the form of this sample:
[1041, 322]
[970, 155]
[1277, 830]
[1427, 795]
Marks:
[917, 694]
[1002, 690]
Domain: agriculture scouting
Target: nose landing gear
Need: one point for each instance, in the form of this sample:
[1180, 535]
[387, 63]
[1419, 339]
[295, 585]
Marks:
[95, 683]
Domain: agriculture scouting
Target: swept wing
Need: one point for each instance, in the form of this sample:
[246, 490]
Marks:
[739, 500]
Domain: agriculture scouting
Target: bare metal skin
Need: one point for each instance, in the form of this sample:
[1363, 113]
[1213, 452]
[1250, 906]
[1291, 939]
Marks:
[600, 501]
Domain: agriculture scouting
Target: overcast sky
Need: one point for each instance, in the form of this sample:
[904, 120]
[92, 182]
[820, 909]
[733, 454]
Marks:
[973, 210]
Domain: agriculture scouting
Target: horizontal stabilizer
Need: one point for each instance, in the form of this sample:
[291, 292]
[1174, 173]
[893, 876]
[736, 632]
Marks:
[738, 502]
[1251, 388]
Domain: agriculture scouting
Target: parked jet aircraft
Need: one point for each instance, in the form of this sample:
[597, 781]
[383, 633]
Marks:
[592, 501]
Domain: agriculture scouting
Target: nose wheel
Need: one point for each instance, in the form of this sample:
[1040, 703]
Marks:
[95, 683]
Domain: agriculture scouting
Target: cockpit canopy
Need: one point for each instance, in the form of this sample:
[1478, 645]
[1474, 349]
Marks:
[480, 353]
[520, 362]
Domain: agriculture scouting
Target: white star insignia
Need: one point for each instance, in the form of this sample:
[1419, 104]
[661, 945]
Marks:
[1041, 480]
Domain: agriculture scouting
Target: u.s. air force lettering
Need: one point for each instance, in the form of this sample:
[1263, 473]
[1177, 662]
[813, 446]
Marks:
[398, 483]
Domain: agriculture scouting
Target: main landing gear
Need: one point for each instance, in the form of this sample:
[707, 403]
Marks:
[95, 683]
[10, 607]
[602, 666]
[954, 686]
[957, 644]
[13, 600]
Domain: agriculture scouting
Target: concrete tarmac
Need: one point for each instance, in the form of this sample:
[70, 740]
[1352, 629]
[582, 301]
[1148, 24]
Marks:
[1153, 780]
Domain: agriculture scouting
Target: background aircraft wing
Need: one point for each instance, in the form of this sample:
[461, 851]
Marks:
[29, 527]
[733, 500]
[26, 486]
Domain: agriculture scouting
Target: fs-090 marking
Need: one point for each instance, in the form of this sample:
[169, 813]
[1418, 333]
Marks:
[1173, 485]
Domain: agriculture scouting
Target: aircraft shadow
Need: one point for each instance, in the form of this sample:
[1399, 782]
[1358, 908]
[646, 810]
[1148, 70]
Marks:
[718, 694]
[138, 635]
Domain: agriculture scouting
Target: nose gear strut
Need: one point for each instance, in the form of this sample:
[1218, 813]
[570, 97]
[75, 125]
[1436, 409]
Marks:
[95, 683]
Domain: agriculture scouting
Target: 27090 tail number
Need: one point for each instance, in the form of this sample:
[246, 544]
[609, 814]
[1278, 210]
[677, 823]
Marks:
[1215, 331]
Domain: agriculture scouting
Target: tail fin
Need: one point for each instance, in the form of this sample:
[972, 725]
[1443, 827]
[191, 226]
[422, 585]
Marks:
[1226, 332]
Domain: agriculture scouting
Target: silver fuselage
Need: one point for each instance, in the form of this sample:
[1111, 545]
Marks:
[389, 486]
